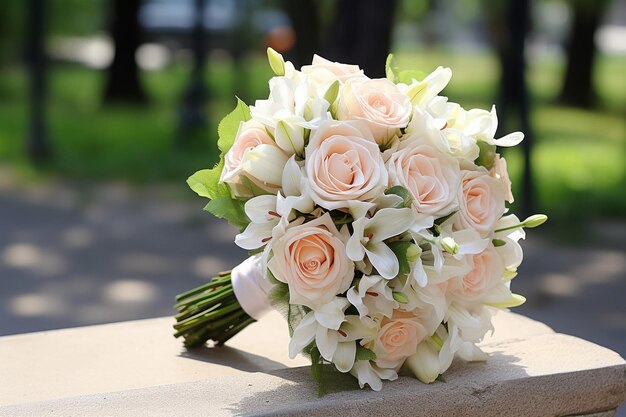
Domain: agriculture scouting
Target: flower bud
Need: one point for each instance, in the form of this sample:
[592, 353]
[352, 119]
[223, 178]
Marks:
[265, 163]
[333, 91]
[277, 63]
[449, 245]
[289, 137]
[400, 297]
[413, 253]
[535, 220]
[425, 363]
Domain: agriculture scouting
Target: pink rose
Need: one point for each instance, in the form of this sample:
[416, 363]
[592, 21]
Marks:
[311, 259]
[255, 156]
[481, 202]
[486, 273]
[379, 102]
[343, 165]
[500, 172]
[431, 177]
[397, 338]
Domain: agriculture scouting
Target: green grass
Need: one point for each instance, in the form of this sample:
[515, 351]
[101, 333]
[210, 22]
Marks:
[579, 156]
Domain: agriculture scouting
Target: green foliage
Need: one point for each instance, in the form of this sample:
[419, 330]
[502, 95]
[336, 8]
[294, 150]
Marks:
[364, 354]
[228, 127]
[229, 209]
[206, 182]
[402, 193]
[400, 249]
[487, 155]
[325, 374]
[397, 75]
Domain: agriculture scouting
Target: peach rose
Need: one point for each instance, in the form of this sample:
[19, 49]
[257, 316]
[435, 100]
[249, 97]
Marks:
[256, 156]
[311, 259]
[481, 202]
[486, 273]
[431, 177]
[397, 338]
[343, 164]
[379, 102]
[500, 172]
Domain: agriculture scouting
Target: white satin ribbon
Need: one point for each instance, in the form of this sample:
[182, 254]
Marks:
[251, 287]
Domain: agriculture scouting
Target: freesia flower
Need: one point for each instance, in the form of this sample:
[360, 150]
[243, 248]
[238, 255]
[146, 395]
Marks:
[372, 294]
[322, 325]
[370, 233]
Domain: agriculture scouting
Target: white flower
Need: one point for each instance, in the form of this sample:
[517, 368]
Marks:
[369, 234]
[322, 325]
[372, 375]
[289, 101]
[421, 92]
[482, 125]
[425, 362]
[263, 217]
[372, 296]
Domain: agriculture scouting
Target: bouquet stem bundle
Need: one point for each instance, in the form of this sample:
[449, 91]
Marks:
[210, 312]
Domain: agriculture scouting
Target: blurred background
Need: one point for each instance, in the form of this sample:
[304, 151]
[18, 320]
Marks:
[107, 106]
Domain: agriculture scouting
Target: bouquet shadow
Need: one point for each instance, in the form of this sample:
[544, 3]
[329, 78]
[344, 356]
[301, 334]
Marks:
[293, 389]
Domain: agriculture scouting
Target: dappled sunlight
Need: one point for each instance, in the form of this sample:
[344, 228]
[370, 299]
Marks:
[33, 258]
[30, 305]
[130, 291]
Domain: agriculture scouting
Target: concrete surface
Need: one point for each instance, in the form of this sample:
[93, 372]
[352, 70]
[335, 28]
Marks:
[138, 369]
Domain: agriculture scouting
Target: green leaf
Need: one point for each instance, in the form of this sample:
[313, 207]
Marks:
[206, 182]
[364, 354]
[487, 154]
[400, 249]
[402, 193]
[397, 75]
[498, 242]
[228, 127]
[407, 76]
[389, 68]
[230, 209]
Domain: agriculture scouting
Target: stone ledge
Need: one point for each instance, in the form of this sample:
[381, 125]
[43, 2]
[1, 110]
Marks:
[137, 368]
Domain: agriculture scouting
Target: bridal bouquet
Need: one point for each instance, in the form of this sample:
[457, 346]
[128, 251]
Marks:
[374, 213]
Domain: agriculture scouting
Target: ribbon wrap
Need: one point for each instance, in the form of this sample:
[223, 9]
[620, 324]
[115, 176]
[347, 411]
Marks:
[251, 287]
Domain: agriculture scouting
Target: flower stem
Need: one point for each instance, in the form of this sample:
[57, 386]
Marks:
[210, 312]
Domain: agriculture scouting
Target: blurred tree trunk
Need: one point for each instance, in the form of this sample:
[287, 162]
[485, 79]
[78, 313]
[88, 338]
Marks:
[123, 83]
[304, 15]
[509, 23]
[577, 87]
[361, 34]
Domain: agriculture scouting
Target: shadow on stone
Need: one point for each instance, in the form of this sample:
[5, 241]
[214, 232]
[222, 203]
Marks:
[232, 357]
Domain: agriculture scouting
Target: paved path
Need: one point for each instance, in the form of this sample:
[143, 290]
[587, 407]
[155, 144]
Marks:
[78, 256]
